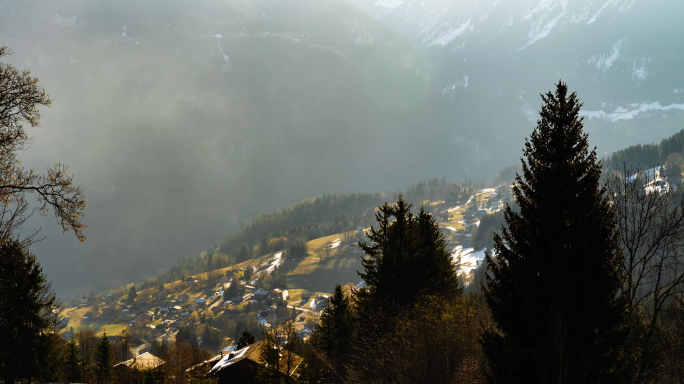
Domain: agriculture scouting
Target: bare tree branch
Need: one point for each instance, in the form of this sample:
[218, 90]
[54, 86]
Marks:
[20, 97]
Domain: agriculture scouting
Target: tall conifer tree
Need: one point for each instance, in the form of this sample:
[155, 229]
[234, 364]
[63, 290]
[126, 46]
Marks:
[27, 315]
[73, 370]
[554, 280]
[103, 360]
[406, 259]
[336, 330]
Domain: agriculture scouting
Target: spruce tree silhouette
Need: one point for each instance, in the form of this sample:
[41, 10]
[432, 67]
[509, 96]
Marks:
[554, 279]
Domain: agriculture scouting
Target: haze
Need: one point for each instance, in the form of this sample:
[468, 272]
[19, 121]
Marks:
[184, 119]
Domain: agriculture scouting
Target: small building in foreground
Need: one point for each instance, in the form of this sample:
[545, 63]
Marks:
[133, 370]
[243, 365]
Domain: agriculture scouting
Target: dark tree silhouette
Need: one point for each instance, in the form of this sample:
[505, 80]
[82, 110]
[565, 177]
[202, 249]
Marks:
[406, 259]
[104, 360]
[554, 280]
[246, 339]
[334, 334]
[27, 313]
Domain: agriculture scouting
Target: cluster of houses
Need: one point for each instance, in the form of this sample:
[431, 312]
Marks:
[228, 366]
[259, 295]
[104, 300]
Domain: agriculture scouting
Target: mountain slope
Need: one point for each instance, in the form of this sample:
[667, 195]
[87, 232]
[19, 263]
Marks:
[183, 119]
[621, 56]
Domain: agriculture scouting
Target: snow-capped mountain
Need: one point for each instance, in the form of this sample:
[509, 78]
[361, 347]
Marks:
[622, 56]
[456, 23]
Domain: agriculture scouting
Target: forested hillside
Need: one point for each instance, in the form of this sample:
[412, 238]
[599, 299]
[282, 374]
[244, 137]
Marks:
[310, 219]
[647, 155]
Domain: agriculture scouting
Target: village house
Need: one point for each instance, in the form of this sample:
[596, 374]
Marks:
[242, 366]
[183, 298]
[133, 370]
[260, 294]
[321, 302]
[275, 294]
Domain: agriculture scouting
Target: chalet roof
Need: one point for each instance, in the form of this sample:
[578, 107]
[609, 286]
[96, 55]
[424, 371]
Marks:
[249, 352]
[205, 363]
[253, 352]
[142, 362]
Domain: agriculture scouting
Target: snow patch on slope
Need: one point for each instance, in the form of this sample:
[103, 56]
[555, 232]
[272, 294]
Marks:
[452, 33]
[640, 69]
[598, 13]
[605, 61]
[467, 259]
[635, 110]
[543, 26]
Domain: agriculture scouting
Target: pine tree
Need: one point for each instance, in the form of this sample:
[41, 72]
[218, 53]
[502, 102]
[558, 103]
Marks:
[103, 360]
[73, 370]
[246, 339]
[269, 360]
[26, 313]
[336, 330]
[132, 293]
[554, 278]
[244, 254]
[298, 248]
[407, 257]
[161, 288]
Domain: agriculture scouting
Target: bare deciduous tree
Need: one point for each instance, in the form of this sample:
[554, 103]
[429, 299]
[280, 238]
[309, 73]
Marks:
[650, 218]
[20, 97]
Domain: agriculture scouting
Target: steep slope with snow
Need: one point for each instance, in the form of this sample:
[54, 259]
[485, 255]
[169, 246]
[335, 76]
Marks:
[622, 56]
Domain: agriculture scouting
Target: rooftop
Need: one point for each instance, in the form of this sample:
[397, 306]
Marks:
[142, 362]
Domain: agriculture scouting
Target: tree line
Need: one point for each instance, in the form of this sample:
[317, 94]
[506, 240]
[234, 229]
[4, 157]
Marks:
[584, 283]
[290, 228]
